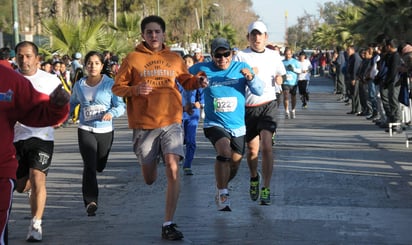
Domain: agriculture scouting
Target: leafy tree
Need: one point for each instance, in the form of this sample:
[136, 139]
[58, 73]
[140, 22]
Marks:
[69, 36]
[126, 33]
[392, 17]
[225, 31]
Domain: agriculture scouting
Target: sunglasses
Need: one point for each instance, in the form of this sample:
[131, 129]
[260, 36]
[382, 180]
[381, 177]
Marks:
[220, 55]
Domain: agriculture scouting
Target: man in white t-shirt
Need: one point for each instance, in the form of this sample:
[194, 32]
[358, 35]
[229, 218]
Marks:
[261, 110]
[34, 146]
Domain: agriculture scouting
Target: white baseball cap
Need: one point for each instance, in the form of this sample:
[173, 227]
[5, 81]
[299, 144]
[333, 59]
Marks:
[257, 25]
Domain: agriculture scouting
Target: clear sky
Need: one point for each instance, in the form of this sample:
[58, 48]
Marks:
[272, 13]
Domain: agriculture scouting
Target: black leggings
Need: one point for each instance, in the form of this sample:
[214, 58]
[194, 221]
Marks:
[95, 149]
[303, 90]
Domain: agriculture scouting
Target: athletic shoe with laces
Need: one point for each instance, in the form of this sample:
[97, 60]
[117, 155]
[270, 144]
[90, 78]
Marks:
[169, 232]
[187, 171]
[265, 196]
[287, 115]
[254, 189]
[91, 209]
[223, 202]
[35, 231]
[293, 116]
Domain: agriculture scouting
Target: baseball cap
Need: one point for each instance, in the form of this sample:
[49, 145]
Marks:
[197, 50]
[219, 42]
[257, 25]
[77, 55]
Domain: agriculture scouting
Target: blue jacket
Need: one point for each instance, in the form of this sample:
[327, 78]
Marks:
[91, 112]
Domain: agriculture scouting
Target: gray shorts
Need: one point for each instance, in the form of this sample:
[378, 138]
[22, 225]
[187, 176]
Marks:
[151, 144]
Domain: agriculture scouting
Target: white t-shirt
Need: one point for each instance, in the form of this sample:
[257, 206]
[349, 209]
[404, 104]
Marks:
[269, 64]
[305, 65]
[43, 82]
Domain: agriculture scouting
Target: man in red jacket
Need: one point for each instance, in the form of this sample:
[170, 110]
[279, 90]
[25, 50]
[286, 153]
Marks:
[19, 101]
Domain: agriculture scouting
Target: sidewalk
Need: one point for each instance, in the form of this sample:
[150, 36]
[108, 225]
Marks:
[338, 179]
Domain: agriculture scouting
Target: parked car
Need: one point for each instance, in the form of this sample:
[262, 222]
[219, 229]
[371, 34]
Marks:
[181, 51]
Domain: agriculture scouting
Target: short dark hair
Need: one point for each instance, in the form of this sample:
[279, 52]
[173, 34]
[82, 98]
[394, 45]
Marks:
[150, 19]
[4, 53]
[187, 56]
[27, 43]
[393, 43]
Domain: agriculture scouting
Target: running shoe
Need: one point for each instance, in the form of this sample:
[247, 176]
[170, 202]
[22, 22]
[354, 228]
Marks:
[293, 116]
[287, 115]
[91, 209]
[187, 171]
[274, 139]
[223, 202]
[265, 196]
[169, 232]
[35, 231]
[255, 187]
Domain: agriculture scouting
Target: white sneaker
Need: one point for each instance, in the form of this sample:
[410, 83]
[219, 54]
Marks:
[287, 115]
[293, 115]
[35, 231]
[223, 202]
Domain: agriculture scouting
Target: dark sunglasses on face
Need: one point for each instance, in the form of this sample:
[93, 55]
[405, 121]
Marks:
[220, 55]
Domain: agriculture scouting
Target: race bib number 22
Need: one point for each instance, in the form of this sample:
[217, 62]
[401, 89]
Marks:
[225, 104]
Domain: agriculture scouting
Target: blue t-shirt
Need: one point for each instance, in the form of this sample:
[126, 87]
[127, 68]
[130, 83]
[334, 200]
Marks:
[225, 95]
[291, 76]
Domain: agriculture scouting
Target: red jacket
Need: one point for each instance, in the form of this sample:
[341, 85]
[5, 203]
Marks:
[19, 101]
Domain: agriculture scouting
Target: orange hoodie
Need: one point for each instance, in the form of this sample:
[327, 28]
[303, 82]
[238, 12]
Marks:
[163, 106]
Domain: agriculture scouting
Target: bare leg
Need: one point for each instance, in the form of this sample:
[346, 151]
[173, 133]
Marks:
[38, 193]
[172, 194]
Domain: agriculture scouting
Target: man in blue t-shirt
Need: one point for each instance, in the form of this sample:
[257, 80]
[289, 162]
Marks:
[224, 123]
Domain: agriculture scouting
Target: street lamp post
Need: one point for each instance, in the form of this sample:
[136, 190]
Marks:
[115, 13]
[203, 25]
[16, 22]
[222, 9]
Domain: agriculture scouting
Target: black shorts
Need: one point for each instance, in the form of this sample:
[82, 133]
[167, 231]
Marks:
[291, 88]
[260, 117]
[237, 144]
[33, 153]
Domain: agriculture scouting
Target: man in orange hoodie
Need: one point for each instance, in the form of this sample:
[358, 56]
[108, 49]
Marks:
[147, 78]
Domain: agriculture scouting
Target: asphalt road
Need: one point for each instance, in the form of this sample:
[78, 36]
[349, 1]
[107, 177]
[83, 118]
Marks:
[338, 179]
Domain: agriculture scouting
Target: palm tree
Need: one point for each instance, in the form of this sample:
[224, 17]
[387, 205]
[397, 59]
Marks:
[391, 17]
[69, 36]
[346, 20]
[126, 33]
[225, 31]
[325, 37]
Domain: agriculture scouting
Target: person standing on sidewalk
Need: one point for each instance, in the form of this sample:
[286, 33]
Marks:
[390, 86]
[34, 145]
[290, 84]
[98, 107]
[352, 81]
[147, 77]
[224, 123]
[20, 101]
[261, 110]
